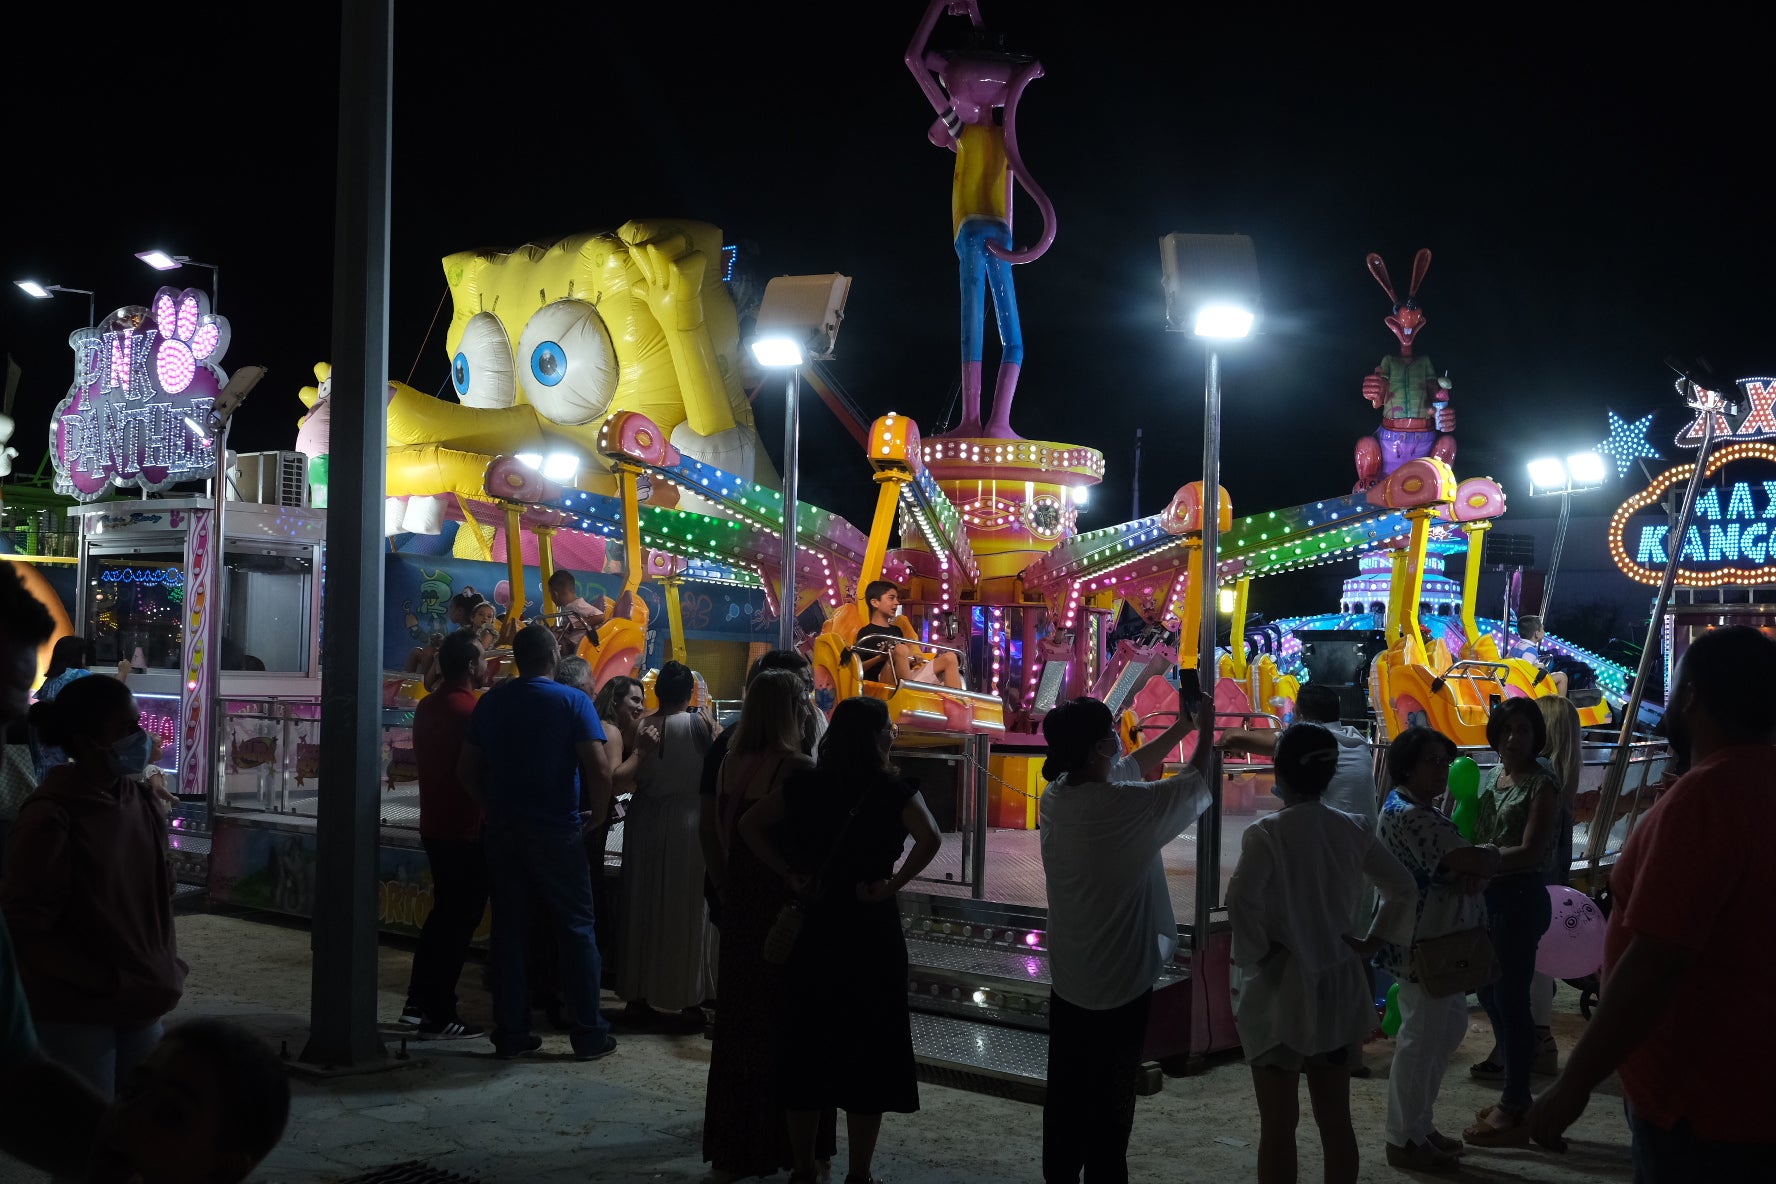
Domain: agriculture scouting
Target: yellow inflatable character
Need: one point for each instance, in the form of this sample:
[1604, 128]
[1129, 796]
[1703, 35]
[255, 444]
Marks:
[548, 342]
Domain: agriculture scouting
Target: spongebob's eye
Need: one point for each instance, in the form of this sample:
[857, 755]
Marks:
[481, 371]
[570, 366]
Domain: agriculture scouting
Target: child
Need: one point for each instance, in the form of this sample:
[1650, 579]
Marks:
[579, 616]
[1302, 990]
[206, 1107]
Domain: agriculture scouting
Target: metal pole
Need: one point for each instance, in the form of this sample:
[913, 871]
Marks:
[1618, 769]
[977, 764]
[792, 447]
[217, 591]
[1566, 501]
[1208, 827]
[342, 1017]
[1135, 494]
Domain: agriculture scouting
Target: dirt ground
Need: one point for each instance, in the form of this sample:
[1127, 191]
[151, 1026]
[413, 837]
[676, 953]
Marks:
[637, 1115]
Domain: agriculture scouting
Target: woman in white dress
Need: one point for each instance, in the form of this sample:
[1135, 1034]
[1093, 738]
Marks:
[662, 963]
[1301, 987]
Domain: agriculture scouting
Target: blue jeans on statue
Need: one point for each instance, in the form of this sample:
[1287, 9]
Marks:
[979, 268]
[531, 866]
[1518, 911]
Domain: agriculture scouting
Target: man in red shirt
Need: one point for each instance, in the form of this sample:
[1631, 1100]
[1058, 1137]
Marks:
[1690, 928]
[450, 828]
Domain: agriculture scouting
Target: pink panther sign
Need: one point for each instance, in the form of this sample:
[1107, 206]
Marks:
[139, 376]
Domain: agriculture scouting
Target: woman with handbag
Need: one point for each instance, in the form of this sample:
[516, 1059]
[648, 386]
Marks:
[1301, 984]
[842, 1035]
[1450, 953]
[1518, 815]
[744, 1130]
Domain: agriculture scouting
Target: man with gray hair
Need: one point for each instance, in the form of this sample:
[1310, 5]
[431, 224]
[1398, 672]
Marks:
[575, 672]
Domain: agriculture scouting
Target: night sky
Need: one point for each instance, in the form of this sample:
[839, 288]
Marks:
[1589, 214]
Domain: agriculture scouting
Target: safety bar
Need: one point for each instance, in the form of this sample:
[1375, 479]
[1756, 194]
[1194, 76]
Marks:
[1276, 719]
[882, 643]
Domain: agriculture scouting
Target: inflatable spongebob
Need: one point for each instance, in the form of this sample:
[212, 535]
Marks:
[548, 342]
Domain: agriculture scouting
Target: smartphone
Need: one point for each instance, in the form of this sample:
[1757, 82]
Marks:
[1190, 694]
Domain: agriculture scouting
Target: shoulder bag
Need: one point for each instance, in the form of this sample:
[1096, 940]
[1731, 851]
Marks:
[780, 942]
[1455, 963]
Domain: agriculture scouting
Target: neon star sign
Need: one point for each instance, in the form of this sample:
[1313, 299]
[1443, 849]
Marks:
[1732, 537]
[141, 379]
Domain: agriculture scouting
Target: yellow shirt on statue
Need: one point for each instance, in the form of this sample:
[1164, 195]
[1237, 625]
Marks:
[979, 190]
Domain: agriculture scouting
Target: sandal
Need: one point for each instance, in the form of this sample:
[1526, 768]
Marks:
[1497, 1127]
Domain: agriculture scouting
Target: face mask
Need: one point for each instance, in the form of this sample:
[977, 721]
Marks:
[132, 752]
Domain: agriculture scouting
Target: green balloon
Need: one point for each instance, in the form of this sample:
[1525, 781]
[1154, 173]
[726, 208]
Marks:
[1464, 779]
[1466, 810]
[1391, 1019]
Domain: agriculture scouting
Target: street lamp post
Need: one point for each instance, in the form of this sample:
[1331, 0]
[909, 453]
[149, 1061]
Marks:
[162, 261]
[1211, 286]
[798, 321]
[1580, 472]
[47, 292]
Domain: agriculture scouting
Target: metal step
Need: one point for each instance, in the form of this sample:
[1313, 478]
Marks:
[984, 1058]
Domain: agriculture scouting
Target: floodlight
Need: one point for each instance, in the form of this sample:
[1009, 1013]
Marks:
[33, 288]
[1224, 321]
[799, 318]
[1547, 473]
[561, 467]
[1585, 468]
[159, 260]
[530, 460]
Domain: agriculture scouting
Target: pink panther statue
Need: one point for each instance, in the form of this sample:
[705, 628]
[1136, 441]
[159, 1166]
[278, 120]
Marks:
[975, 92]
[1416, 419]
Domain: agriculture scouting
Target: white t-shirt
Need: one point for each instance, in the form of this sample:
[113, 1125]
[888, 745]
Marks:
[1110, 922]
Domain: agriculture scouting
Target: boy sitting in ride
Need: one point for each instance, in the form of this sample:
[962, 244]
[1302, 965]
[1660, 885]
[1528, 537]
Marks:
[910, 664]
[580, 617]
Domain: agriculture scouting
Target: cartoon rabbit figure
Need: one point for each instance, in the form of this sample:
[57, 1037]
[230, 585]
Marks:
[1416, 419]
[975, 93]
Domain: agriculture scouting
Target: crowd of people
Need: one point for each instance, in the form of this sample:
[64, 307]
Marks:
[762, 861]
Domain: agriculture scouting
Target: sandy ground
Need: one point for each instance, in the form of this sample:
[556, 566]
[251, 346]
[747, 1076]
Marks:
[637, 1116]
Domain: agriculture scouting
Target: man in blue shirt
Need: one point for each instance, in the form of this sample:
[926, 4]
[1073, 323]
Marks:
[535, 760]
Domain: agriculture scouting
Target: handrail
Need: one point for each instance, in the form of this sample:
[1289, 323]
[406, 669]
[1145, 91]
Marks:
[881, 643]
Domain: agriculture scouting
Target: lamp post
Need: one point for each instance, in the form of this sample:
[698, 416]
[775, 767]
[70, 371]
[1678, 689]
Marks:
[1550, 475]
[47, 292]
[216, 431]
[1211, 287]
[161, 261]
[798, 321]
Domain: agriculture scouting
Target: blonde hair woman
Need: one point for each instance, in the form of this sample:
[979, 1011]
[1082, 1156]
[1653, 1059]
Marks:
[1565, 752]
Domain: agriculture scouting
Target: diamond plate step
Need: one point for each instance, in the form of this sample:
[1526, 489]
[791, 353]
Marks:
[983, 1058]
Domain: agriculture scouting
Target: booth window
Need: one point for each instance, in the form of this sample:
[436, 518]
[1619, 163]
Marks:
[135, 606]
[266, 622]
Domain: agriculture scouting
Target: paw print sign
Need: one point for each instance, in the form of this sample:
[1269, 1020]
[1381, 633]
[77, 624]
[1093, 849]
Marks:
[142, 377]
[189, 334]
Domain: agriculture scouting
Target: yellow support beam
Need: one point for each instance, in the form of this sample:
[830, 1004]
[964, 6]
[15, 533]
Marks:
[515, 562]
[632, 564]
[875, 556]
[1236, 632]
[546, 566]
[675, 619]
[1420, 517]
[1476, 532]
[1189, 633]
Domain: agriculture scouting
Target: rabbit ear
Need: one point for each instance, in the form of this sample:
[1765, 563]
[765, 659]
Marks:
[1421, 263]
[1379, 270]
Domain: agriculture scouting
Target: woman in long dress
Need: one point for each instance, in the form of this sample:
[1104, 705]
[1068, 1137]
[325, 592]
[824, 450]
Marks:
[663, 939]
[744, 1132]
[842, 1035]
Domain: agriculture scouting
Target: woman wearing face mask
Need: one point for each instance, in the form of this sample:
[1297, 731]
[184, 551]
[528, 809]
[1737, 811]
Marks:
[88, 891]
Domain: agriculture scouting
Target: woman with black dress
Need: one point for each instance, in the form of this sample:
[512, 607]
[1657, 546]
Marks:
[842, 1035]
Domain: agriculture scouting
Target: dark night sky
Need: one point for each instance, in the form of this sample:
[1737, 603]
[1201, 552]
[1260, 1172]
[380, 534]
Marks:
[1589, 214]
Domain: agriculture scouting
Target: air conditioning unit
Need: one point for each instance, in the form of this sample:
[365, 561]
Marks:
[270, 478]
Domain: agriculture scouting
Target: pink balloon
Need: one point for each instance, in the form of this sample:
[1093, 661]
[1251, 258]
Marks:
[1573, 945]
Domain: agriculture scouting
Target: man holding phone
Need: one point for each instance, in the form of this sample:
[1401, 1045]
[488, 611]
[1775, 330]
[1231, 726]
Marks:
[1110, 921]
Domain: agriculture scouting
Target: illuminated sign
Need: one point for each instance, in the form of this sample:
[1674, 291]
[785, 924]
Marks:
[139, 376]
[1732, 533]
[170, 576]
[1755, 418]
